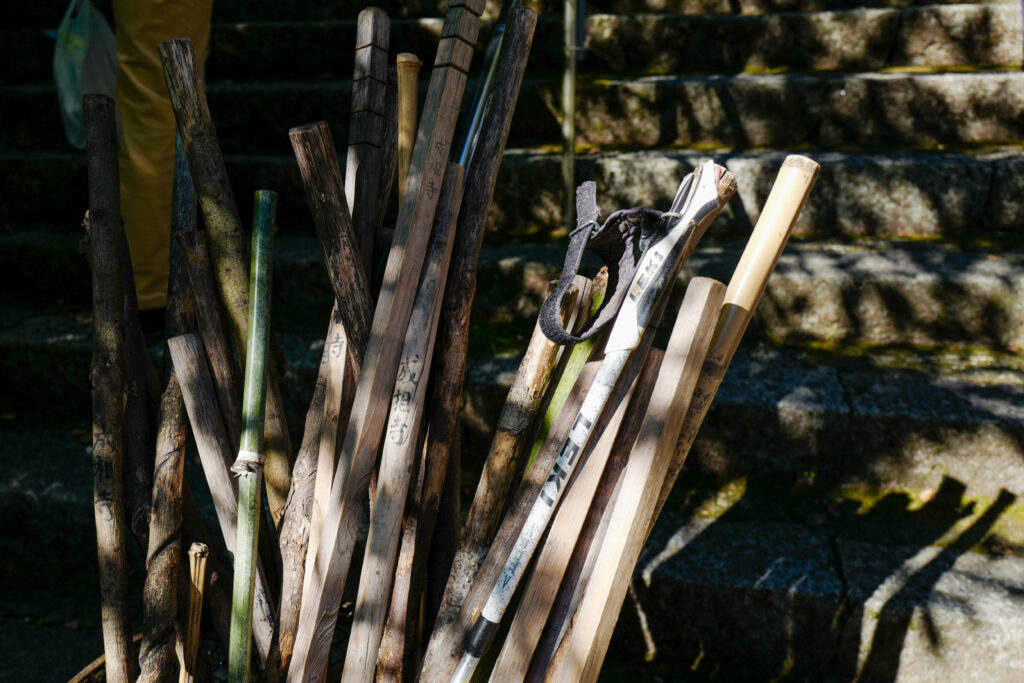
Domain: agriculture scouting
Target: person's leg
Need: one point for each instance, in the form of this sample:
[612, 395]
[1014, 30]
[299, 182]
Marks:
[147, 129]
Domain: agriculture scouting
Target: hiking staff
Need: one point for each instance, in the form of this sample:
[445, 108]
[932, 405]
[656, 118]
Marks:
[364, 432]
[606, 459]
[107, 375]
[627, 528]
[702, 200]
[789, 193]
[249, 463]
[325, 193]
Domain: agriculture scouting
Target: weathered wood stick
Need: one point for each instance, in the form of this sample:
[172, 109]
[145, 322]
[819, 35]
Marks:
[341, 378]
[325, 194]
[382, 237]
[295, 533]
[197, 555]
[512, 434]
[139, 414]
[788, 195]
[609, 454]
[107, 376]
[595, 618]
[363, 171]
[364, 432]
[226, 237]
[518, 415]
[216, 454]
[157, 658]
[399, 451]
[408, 66]
[466, 593]
[213, 331]
[477, 542]
[481, 177]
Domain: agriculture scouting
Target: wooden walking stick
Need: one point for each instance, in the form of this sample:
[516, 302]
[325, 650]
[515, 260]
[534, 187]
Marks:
[706, 191]
[341, 358]
[322, 596]
[408, 66]
[789, 193]
[627, 528]
[107, 376]
[158, 656]
[197, 555]
[249, 464]
[321, 178]
[226, 237]
[213, 331]
[363, 172]
[401, 441]
[609, 454]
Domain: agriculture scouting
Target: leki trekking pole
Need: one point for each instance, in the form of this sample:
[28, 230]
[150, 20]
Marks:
[695, 206]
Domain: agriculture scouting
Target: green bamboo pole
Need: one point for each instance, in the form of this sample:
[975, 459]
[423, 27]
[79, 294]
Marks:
[249, 464]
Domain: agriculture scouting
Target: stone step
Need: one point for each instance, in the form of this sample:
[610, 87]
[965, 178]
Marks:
[914, 194]
[827, 293]
[730, 597]
[865, 418]
[48, 13]
[762, 111]
[930, 37]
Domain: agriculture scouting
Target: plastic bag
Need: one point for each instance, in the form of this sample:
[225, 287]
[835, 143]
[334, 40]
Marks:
[84, 62]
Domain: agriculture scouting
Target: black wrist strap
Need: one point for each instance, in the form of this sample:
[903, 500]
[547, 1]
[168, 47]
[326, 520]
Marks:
[619, 242]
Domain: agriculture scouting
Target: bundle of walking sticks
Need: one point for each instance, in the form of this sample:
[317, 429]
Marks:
[586, 449]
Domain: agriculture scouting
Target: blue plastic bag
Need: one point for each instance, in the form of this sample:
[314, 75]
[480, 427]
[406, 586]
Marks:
[84, 62]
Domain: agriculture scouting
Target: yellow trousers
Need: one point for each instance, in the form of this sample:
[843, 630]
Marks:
[148, 129]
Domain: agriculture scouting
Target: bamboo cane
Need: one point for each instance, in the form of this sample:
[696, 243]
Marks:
[249, 464]
[226, 237]
[571, 35]
[408, 108]
[216, 451]
[197, 555]
[107, 376]
[365, 427]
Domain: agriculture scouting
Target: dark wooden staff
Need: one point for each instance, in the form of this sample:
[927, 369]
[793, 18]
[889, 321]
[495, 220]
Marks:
[157, 657]
[108, 381]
